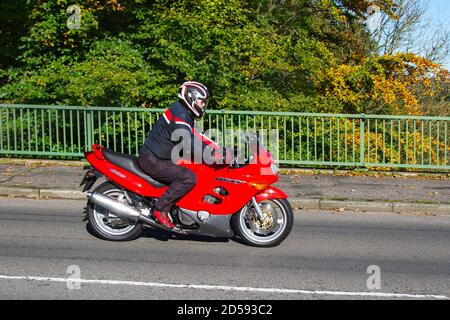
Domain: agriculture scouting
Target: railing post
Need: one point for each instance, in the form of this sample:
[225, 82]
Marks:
[89, 130]
[222, 133]
[362, 124]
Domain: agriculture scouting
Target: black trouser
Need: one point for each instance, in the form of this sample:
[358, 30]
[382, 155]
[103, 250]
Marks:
[180, 179]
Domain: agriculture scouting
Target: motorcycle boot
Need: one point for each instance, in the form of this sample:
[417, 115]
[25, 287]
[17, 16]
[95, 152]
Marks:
[163, 219]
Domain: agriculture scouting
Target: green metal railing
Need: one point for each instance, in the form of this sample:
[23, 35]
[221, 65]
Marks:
[307, 139]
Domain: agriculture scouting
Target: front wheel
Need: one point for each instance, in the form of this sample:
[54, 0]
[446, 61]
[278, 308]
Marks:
[276, 226]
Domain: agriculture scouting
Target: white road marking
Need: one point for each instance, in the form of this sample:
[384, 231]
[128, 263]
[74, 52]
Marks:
[228, 288]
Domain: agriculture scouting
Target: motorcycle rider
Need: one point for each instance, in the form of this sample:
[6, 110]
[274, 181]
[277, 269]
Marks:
[155, 155]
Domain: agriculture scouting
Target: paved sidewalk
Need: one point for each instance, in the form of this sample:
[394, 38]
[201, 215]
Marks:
[306, 190]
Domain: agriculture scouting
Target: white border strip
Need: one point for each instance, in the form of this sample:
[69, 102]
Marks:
[227, 288]
[165, 117]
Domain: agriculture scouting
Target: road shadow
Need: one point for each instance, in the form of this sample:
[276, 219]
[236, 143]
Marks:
[91, 231]
[162, 235]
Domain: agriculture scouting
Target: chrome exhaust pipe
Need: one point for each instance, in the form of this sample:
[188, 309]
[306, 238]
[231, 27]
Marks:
[121, 209]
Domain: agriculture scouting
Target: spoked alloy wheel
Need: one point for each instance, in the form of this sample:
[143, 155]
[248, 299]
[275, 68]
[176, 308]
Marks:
[276, 226]
[106, 224]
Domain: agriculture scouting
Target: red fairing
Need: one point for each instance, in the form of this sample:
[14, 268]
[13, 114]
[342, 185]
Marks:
[240, 184]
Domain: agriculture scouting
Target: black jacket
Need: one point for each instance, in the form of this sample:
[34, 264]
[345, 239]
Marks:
[159, 140]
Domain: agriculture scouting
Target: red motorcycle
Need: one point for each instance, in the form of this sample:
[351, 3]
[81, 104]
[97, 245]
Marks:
[227, 201]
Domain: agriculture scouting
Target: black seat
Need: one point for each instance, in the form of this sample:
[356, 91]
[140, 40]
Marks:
[129, 163]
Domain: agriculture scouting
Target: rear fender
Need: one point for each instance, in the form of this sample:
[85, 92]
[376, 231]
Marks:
[90, 177]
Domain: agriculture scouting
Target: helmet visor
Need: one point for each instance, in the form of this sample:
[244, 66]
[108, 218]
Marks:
[202, 104]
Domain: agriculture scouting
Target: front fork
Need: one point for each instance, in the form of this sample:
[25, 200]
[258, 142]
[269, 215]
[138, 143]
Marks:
[259, 212]
[269, 193]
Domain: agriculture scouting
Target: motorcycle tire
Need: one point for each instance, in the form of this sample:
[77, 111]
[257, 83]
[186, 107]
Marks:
[272, 232]
[99, 221]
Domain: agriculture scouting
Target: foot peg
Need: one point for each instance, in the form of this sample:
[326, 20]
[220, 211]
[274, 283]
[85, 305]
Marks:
[179, 231]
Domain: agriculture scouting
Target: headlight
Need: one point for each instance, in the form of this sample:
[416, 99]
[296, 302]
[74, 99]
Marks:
[274, 168]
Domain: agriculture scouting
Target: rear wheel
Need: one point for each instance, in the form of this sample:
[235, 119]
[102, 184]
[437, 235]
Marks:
[106, 224]
[276, 226]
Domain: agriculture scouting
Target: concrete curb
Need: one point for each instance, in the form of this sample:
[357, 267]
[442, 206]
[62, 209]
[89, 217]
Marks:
[443, 209]
[297, 203]
[41, 193]
[369, 206]
[19, 192]
[61, 194]
[356, 205]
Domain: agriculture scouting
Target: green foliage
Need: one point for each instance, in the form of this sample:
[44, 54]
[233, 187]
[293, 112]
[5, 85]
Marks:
[254, 55]
[13, 25]
[240, 50]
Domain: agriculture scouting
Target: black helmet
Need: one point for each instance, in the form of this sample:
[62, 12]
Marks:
[194, 96]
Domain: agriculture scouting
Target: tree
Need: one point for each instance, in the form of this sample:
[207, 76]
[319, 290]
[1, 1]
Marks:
[389, 84]
[284, 55]
[13, 25]
[410, 31]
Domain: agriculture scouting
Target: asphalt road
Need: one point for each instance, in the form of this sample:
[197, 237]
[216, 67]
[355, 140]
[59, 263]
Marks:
[327, 256]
